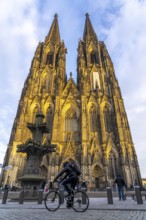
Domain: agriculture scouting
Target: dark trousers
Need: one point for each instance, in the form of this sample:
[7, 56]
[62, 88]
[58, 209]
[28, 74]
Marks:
[121, 192]
[73, 180]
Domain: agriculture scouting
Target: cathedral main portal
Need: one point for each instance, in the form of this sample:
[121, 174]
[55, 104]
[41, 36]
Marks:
[98, 178]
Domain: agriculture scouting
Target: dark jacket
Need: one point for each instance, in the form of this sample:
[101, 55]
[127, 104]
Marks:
[120, 181]
[68, 172]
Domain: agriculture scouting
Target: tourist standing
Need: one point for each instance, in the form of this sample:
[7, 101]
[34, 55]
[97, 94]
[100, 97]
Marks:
[120, 184]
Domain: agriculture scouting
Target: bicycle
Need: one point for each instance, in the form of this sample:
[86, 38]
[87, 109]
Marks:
[78, 200]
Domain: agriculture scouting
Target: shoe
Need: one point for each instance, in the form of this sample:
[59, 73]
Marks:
[69, 205]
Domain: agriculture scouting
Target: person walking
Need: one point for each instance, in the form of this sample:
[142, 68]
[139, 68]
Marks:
[120, 184]
[84, 185]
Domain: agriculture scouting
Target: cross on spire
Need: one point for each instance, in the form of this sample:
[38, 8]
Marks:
[56, 15]
[54, 33]
[89, 32]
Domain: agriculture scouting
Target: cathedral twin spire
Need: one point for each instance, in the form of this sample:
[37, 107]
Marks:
[86, 57]
[89, 32]
[54, 33]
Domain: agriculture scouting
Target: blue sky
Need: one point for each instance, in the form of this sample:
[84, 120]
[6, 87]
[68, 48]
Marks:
[119, 23]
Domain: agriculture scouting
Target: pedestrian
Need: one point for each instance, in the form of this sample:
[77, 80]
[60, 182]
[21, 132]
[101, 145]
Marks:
[42, 185]
[46, 189]
[7, 186]
[120, 184]
[84, 185]
[51, 186]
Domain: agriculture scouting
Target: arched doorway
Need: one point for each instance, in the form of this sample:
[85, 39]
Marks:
[98, 177]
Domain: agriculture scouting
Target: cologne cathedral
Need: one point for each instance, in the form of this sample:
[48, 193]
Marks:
[86, 119]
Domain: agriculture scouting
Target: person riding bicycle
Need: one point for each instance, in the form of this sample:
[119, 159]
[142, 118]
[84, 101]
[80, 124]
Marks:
[72, 172]
[68, 177]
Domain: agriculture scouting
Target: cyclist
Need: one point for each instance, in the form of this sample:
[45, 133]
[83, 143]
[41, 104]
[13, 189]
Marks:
[72, 172]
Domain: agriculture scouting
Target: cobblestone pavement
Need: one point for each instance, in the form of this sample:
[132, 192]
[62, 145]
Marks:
[38, 214]
[98, 210]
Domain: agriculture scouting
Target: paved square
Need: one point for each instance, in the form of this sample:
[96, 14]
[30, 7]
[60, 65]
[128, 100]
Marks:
[98, 210]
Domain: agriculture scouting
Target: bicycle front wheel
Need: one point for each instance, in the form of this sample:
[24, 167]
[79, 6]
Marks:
[52, 201]
[80, 201]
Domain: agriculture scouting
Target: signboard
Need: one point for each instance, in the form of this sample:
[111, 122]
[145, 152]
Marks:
[7, 167]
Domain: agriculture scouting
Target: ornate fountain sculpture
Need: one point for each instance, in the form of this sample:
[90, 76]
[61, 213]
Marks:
[35, 150]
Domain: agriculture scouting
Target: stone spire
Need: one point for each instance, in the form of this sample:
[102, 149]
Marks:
[54, 33]
[89, 32]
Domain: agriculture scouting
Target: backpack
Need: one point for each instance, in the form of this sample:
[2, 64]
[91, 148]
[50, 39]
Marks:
[75, 167]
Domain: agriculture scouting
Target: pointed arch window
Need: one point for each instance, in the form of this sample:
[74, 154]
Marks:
[107, 119]
[57, 59]
[99, 126]
[71, 124]
[49, 119]
[49, 59]
[35, 110]
[94, 57]
[93, 119]
[96, 80]
[113, 165]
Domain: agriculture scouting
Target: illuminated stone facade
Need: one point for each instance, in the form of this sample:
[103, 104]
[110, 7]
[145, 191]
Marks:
[87, 119]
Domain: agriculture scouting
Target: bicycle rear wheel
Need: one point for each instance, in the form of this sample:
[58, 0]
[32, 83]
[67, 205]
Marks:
[80, 201]
[52, 201]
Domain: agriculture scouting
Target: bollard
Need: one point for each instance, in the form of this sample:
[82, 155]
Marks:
[61, 192]
[40, 198]
[138, 195]
[5, 196]
[84, 197]
[21, 197]
[133, 197]
[109, 195]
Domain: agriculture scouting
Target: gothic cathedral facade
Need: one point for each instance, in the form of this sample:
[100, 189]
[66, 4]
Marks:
[86, 120]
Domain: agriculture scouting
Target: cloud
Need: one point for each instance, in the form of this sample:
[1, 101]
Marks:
[2, 151]
[18, 37]
[17, 42]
